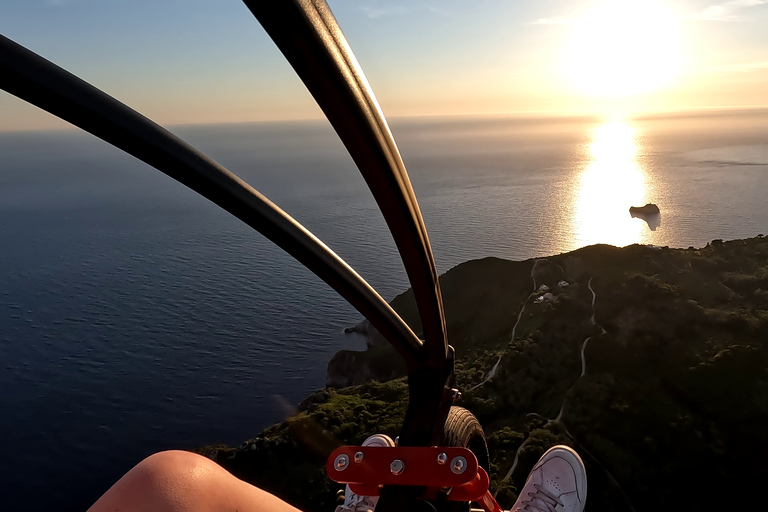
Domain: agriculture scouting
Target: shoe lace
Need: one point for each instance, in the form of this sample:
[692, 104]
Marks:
[358, 503]
[540, 501]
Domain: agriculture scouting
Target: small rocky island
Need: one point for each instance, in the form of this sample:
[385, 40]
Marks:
[650, 213]
[651, 362]
[648, 209]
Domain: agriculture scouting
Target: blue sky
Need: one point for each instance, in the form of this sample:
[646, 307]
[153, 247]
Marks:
[202, 61]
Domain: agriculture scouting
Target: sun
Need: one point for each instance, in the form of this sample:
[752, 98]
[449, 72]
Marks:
[623, 48]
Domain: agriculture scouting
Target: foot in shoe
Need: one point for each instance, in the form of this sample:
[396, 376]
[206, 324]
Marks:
[558, 483]
[354, 502]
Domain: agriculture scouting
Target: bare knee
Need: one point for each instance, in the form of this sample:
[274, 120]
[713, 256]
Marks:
[167, 481]
[176, 481]
[177, 476]
[175, 465]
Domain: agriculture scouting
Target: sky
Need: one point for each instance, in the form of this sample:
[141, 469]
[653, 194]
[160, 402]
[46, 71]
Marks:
[209, 61]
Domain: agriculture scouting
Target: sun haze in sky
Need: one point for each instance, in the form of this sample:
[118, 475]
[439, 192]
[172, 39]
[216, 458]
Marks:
[621, 48]
[204, 61]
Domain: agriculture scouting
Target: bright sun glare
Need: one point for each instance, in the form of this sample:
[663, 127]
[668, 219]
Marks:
[611, 182]
[623, 47]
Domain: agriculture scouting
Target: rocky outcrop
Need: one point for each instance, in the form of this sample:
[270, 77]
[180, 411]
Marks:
[351, 368]
[649, 213]
[648, 209]
[344, 370]
[373, 338]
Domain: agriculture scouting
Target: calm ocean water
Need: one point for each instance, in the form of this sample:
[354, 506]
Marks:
[135, 316]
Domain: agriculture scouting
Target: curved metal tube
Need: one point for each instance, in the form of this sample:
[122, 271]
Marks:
[42, 83]
[310, 38]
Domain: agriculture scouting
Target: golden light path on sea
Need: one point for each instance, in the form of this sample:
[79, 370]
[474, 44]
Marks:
[609, 184]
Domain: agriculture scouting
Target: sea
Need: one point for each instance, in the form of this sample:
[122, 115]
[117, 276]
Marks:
[135, 316]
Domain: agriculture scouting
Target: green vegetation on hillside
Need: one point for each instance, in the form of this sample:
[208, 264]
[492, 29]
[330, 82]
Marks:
[672, 408]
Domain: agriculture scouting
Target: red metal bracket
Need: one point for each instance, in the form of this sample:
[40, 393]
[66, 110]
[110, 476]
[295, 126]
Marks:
[367, 468]
[419, 466]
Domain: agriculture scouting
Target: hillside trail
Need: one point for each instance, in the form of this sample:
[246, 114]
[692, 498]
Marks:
[558, 419]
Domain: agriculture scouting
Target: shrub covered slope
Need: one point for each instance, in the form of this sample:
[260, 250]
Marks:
[651, 362]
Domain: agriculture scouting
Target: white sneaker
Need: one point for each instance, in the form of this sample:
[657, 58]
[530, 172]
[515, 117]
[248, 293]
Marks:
[355, 503]
[557, 483]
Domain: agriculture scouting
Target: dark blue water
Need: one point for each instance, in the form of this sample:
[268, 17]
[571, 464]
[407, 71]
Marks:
[135, 316]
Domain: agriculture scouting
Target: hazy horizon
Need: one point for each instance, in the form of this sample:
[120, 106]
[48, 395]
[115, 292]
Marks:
[205, 62]
[448, 117]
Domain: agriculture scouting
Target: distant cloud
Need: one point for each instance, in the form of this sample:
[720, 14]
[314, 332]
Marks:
[728, 11]
[374, 12]
[379, 12]
[747, 67]
[553, 21]
[732, 10]
[739, 68]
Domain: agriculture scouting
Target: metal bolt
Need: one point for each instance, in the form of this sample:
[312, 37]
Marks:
[442, 458]
[458, 465]
[396, 467]
[341, 462]
[359, 457]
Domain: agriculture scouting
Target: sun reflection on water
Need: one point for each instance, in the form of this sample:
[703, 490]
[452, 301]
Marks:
[611, 182]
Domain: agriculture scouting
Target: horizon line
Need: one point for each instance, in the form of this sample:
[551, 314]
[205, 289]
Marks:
[522, 114]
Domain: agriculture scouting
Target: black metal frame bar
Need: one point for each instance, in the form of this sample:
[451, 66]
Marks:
[42, 83]
[310, 38]
[308, 35]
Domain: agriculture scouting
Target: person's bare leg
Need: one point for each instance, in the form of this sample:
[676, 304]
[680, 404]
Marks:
[177, 481]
